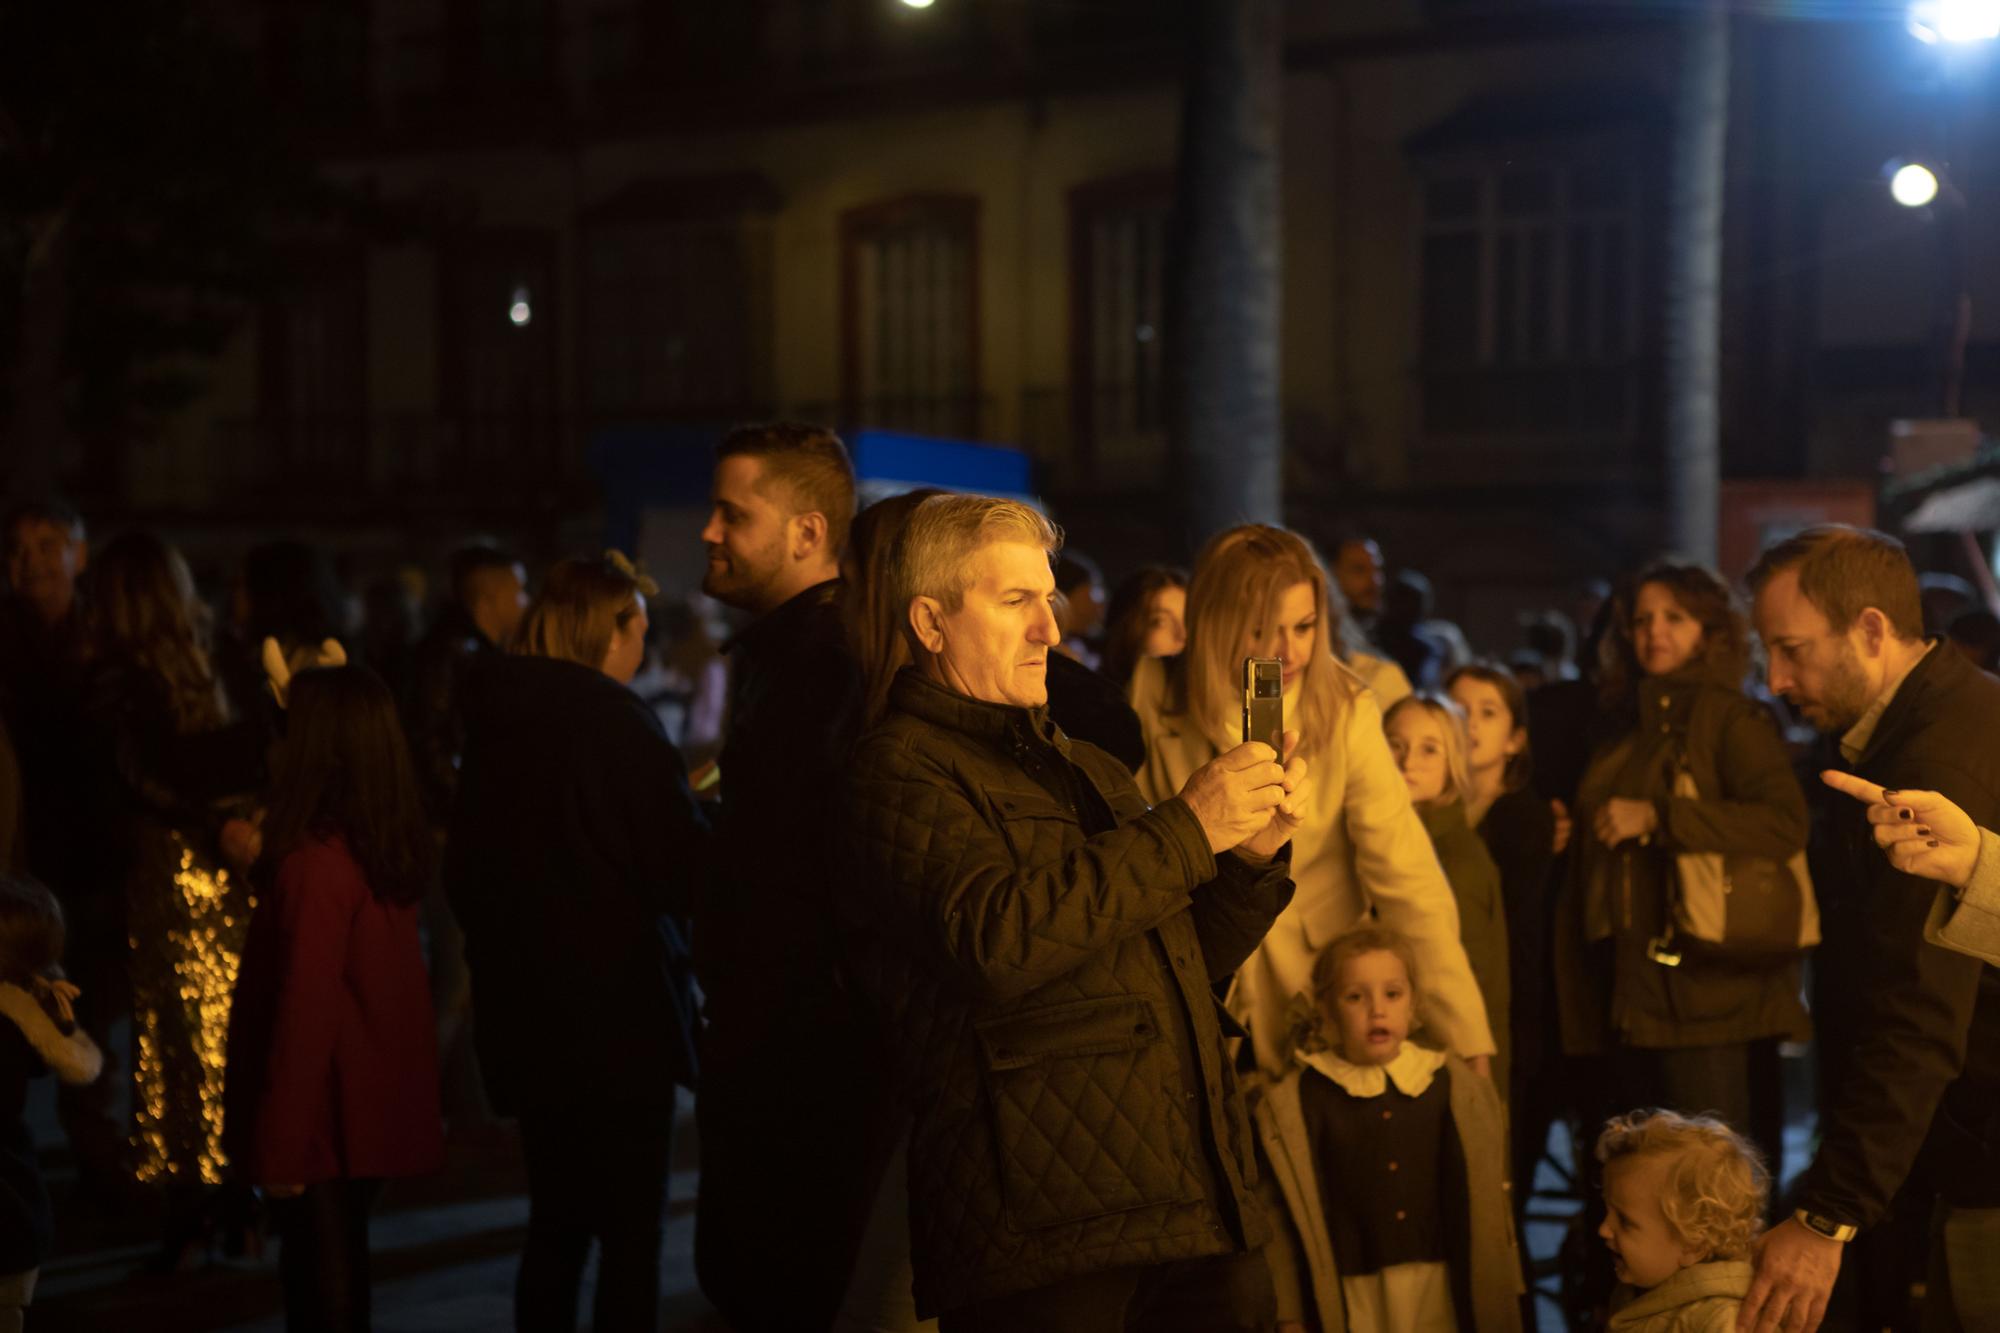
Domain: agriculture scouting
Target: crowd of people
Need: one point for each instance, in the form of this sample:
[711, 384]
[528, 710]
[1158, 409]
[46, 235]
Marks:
[1015, 986]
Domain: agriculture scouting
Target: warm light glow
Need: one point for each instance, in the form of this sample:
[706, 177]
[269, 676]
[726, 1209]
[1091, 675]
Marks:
[186, 946]
[918, 4]
[521, 311]
[1955, 20]
[1913, 185]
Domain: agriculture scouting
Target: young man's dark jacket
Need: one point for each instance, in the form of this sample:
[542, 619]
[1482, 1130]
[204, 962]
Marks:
[1044, 949]
[1922, 1082]
[774, 1182]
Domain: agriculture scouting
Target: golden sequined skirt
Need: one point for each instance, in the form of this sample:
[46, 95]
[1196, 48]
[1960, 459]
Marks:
[186, 931]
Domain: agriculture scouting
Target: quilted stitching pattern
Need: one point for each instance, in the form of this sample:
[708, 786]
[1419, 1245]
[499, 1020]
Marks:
[1041, 989]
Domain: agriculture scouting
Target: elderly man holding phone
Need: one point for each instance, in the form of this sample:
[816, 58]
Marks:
[1045, 950]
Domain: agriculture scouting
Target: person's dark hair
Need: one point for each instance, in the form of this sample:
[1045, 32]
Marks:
[293, 595]
[1724, 653]
[143, 613]
[344, 770]
[1074, 568]
[44, 510]
[1979, 633]
[1408, 598]
[31, 930]
[469, 562]
[1549, 633]
[1521, 765]
[874, 612]
[812, 465]
[1845, 570]
[1127, 617]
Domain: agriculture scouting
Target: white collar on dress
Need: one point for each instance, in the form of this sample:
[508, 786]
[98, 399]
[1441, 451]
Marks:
[1413, 1068]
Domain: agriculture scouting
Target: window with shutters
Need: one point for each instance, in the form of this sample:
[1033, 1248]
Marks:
[910, 315]
[1118, 246]
[1529, 306]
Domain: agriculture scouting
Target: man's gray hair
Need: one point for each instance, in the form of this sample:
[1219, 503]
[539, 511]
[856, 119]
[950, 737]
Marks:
[934, 556]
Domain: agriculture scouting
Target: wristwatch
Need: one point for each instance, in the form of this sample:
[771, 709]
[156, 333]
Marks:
[1825, 1227]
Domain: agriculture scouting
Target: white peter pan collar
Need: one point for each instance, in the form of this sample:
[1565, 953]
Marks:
[1412, 1070]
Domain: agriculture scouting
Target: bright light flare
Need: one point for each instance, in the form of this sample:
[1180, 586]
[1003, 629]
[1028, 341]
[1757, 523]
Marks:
[919, 4]
[1913, 185]
[1954, 21]
[521, 311]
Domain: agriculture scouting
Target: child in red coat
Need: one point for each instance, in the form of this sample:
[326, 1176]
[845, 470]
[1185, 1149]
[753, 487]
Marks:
[333, 1080]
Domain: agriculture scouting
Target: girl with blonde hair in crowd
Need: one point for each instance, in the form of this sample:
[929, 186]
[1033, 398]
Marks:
[1427, 737]
[1388, 1165]
[1261, 591]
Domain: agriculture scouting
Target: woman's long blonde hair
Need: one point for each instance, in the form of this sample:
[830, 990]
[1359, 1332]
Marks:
[1238, 578]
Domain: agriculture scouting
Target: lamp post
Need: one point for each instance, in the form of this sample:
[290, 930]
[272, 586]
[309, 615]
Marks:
[1917, 185]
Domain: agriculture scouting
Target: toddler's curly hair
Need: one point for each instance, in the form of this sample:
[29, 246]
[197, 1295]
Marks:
[1716, 1184]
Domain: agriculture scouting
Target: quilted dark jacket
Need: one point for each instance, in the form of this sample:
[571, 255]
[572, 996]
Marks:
[1044, 949]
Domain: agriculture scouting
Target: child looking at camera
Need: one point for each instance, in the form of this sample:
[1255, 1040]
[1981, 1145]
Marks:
[1389, 1161]
[1427, 738]
[1684, 1201]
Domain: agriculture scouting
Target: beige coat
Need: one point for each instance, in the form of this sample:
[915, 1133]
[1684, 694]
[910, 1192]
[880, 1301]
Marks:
[1701, 1299]
[1362, 844]
[1494, 1279]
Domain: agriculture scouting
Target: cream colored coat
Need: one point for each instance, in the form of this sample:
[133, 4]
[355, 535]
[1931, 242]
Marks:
[1362, 843]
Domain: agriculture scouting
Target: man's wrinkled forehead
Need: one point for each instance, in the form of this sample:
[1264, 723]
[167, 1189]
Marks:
[1002, 568]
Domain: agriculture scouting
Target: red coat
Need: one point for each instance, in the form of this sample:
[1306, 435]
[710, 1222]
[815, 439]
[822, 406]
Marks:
[332, 1063]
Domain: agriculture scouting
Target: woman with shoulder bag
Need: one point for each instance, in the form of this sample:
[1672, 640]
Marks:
[1696, 784]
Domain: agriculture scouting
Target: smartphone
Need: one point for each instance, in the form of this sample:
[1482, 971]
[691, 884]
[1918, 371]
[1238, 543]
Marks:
[1264, 701]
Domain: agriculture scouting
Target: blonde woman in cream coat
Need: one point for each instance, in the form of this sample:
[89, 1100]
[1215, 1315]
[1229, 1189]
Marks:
[1260, 591]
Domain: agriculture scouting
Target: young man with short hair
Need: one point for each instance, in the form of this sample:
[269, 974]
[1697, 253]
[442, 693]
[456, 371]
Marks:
[781, 1181]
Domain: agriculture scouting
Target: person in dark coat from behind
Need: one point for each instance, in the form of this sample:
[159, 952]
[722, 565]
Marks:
[332, 1079]
[572, 855]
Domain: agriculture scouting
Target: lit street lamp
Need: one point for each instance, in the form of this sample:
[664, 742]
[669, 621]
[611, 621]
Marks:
[1955, 21]
[1913, 185]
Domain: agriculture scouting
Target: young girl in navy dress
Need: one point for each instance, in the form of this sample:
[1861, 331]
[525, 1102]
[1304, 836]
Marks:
[1389, 1161]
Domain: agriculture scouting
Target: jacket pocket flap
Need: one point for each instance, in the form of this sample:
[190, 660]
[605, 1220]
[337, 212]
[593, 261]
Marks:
[1086, 1027]
[1031, 805]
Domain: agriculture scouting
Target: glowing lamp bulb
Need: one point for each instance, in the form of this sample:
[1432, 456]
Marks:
[1955, 20]
[919, 4]
[1913, 185]
[521, 311]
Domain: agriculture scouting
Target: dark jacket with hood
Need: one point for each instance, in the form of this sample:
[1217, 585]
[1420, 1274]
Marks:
[1749, 804]
[1043, 948]
[574, 846]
